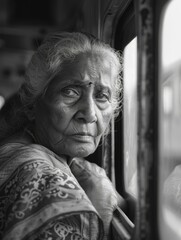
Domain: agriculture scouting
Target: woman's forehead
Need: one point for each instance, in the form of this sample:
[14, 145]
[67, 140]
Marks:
[92, 65]
[82, 71]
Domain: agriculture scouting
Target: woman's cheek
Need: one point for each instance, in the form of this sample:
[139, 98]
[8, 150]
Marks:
[107, 115]
[58, 116]
[105, 120]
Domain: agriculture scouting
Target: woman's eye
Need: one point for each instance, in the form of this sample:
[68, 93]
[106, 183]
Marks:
[70, 92]
[102, 97]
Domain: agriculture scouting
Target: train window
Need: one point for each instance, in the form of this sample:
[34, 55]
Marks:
[130, 117]
[170, 123]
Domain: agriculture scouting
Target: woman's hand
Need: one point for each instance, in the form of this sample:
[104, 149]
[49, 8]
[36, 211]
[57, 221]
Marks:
[98, 188]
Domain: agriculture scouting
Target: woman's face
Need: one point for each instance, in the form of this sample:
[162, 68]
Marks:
[77, 107]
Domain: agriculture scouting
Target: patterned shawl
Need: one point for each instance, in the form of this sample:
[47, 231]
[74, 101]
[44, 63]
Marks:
[41, 199]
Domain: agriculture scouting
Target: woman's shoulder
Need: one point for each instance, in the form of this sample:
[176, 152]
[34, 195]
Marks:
[37, 189]
[20, 148]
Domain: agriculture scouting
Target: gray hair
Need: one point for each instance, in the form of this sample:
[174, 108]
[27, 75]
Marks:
[47, 62]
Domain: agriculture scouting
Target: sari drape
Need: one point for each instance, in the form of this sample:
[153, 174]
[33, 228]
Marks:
[41, 199]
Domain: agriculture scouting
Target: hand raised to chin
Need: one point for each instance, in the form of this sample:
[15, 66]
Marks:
[98, 188]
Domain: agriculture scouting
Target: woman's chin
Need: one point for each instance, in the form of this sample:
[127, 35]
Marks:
[82, 151]
[72, 148]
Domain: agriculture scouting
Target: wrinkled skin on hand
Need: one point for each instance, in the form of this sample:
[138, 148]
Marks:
[98, 188]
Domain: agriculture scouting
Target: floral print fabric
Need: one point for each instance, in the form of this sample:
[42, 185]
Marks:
[41, 199]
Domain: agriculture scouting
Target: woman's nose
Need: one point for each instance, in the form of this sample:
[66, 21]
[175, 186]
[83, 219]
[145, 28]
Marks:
[87, 111]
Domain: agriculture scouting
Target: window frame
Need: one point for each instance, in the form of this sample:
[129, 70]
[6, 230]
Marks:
[148, 20]
[125, 33]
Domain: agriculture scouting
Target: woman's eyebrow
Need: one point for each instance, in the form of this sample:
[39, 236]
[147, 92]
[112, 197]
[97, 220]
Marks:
[75, 81]
[87, 83]
[70, 81]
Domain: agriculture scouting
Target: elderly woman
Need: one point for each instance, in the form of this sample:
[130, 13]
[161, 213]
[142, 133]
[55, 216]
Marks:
[48, 190]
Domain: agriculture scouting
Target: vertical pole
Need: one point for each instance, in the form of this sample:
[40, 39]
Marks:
[146, 228]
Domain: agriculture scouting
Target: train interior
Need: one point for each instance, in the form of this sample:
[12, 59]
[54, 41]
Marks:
[143, 148]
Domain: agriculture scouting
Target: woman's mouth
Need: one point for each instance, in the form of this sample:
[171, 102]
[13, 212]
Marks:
[82, 137]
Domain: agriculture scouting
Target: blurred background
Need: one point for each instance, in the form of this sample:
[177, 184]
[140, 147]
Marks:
[24, 24]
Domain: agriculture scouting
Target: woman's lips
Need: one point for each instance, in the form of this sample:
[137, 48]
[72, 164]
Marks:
[83, 134]
[83, 137]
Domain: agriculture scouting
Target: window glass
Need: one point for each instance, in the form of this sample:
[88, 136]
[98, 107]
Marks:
[130, 117]
[170, 123]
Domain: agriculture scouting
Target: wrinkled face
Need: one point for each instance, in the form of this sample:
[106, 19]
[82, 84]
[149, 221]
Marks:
[77, 107]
